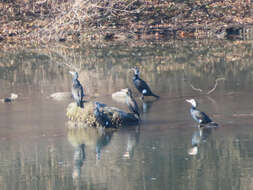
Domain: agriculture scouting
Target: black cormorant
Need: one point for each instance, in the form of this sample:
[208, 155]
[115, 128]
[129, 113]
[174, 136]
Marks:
[77, 89]
[132, 105]
[141, 85]
[100, 116]
[199, 116]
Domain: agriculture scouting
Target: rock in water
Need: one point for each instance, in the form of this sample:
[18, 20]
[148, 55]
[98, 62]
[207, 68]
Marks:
[60, 96]
[116, 117]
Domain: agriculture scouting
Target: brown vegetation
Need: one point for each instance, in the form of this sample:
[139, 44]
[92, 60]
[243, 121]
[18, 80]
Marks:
[75, 20]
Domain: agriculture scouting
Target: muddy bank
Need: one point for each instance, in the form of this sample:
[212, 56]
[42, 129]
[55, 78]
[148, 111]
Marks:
[103, 20]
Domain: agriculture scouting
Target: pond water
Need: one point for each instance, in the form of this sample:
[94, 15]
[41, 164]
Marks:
[38, 151]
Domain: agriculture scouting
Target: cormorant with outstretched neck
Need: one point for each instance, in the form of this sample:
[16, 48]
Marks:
[199, 116]
[141, 85]
[77, 89]
[131, 103]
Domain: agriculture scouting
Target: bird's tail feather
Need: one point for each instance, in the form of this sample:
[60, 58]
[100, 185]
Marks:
[155, 95]
[212, 125]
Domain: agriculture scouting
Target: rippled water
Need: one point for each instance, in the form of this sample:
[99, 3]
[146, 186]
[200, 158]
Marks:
[38, 151]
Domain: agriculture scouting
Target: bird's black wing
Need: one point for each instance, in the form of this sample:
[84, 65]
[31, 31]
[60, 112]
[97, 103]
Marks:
[201, 116]
[80, 92]
[133, 106]
[142, 87]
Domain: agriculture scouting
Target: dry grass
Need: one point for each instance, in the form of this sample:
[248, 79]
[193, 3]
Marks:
[88, 20]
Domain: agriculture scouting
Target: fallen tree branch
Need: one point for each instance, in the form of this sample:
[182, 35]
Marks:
[212, 89]
[215, 85]
[243, 115]
[196, 89]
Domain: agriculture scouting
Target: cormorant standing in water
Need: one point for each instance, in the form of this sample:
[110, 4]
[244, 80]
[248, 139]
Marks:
[77, 89]
[132, 105]
[199, 116]
[141, 85]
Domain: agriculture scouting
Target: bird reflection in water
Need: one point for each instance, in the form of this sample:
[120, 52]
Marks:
[199, 136]
[80, 138]
[146, 105]
[79, 157]
[133, 137]
[84, 139]
[103, 141]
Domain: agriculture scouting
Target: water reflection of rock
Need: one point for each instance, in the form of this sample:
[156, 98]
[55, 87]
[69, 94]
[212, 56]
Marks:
[91, 142]
[79, 157]
[79, 138]
[199, 136]
[132, 140]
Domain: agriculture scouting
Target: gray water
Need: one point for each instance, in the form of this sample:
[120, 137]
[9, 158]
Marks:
[38, 151]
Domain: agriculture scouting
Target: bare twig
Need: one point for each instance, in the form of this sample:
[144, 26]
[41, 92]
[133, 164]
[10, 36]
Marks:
[216, 83]
[196, 89]
[210, 91]
[243, 115]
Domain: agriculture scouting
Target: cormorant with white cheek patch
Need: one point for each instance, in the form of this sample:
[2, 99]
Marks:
[200, 116]
[141, 85]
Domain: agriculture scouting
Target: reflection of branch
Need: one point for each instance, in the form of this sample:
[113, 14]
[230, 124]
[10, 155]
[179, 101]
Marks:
[243, 115]
[216, 83]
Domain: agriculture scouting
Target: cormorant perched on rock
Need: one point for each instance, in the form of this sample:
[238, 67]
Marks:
[199, 116]
[77, 89]
[100, 116]
[132, 105]
[141, 85]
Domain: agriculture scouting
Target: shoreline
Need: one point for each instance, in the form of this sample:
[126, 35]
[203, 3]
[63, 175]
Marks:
[43, 22]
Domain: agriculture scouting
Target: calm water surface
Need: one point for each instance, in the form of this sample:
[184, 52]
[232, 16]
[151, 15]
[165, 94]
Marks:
[38, 151]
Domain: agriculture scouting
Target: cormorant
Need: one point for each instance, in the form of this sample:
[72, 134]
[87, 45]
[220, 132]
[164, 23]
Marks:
[132, 105]
[77, 89]
[100, 116]
[199, 116]
[141, 85]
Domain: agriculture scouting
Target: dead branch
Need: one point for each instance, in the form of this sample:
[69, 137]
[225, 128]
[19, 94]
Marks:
[196, 89]
[215, 85]
[212, 89]
[243, 115]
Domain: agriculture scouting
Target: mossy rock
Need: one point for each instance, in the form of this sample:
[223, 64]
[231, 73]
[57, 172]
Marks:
[86, 117]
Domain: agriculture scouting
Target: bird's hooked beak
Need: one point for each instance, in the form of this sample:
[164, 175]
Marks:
[192, 102]
[188, 100]
[72, 73]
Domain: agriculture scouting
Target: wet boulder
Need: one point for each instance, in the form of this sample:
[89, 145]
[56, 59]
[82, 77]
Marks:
[120, 96]
[102, 116]
[10, 99]
[59, 96]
